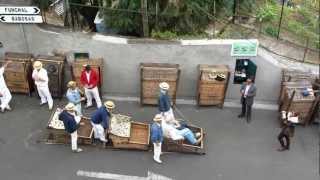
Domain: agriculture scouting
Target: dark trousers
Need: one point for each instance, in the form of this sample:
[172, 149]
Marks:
[246, 110]
[282, 137]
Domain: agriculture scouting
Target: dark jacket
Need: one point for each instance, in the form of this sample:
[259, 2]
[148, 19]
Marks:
[164, 103]
[70, 124]
[101, 116]
[156, 133]
[251, 94]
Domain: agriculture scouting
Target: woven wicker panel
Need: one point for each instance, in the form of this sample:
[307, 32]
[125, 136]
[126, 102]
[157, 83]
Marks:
[16, 67]
[21, 64]
[290, 85]
[213, 89]
[159, 73]
[151, 88]
[296, 75]
[210, 90]
[152, 75]
[298, 95]
[15, 56]
[300, 104]
[15, 76]
[139, 133]
[211, 70]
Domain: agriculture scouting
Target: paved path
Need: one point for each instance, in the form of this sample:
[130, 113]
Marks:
[235, 150]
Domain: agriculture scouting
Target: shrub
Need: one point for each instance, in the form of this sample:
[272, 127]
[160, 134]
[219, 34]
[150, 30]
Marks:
[267, 13]
[166, 35]
[272, 31]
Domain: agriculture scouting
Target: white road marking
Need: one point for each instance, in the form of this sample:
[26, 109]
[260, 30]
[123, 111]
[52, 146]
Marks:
[200, 42]
[102, 175]
[110, 39]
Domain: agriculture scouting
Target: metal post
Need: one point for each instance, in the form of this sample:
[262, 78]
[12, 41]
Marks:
[214, 18]
[280, 21]
[305, 51]
[234, 11]
[157, 12]
[145, 23]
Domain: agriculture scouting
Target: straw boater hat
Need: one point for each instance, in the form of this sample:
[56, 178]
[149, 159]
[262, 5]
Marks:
[157, 118]
[164, 86]
[70, 107]
[37, 65]
[109, 104]
[71, 84]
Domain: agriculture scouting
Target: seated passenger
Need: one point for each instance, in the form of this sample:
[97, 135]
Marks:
[192, 138]
[184, 134]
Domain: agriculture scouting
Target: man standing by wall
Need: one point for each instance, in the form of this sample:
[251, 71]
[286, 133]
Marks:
[41, 79]
[248, 92]
[89, 79]
[5, 95]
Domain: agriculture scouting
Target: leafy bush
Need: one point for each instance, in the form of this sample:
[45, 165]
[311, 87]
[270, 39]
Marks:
[272, 31]
[267, 13]
[166, 35]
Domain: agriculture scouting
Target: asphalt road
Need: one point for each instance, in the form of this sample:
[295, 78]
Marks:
[235, 150]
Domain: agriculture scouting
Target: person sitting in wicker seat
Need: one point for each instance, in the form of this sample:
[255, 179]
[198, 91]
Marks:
[175, 134]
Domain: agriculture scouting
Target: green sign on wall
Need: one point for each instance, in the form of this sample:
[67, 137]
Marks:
[245, 48]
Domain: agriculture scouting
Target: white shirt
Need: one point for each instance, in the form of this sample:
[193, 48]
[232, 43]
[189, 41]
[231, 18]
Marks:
[3, 85]
[246, 90]
[170, 132]
[88, 76]
[42, 74]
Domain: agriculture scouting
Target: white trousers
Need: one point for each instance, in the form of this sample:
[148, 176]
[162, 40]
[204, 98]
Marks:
[74, 139]
[5, 98]
[156, 151]
[168, 116]
[45, 95]
[92, 93]
[74, 136]
[99, 132]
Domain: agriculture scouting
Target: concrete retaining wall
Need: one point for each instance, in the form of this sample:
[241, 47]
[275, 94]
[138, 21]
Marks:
[121, 75]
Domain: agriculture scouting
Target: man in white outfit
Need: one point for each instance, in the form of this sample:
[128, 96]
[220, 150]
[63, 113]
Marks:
[5, 95]
[40, 77]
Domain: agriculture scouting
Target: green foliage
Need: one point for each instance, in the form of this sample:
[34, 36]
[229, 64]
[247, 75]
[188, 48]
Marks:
[126, 23]
[166, 35]
[272, 31]
[267, 13]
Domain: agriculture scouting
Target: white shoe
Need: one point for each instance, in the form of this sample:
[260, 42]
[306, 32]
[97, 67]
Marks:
[50, 108]
[157, 160]
[8, 108]
[2, 110]
[77, 150]
[43, 103]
